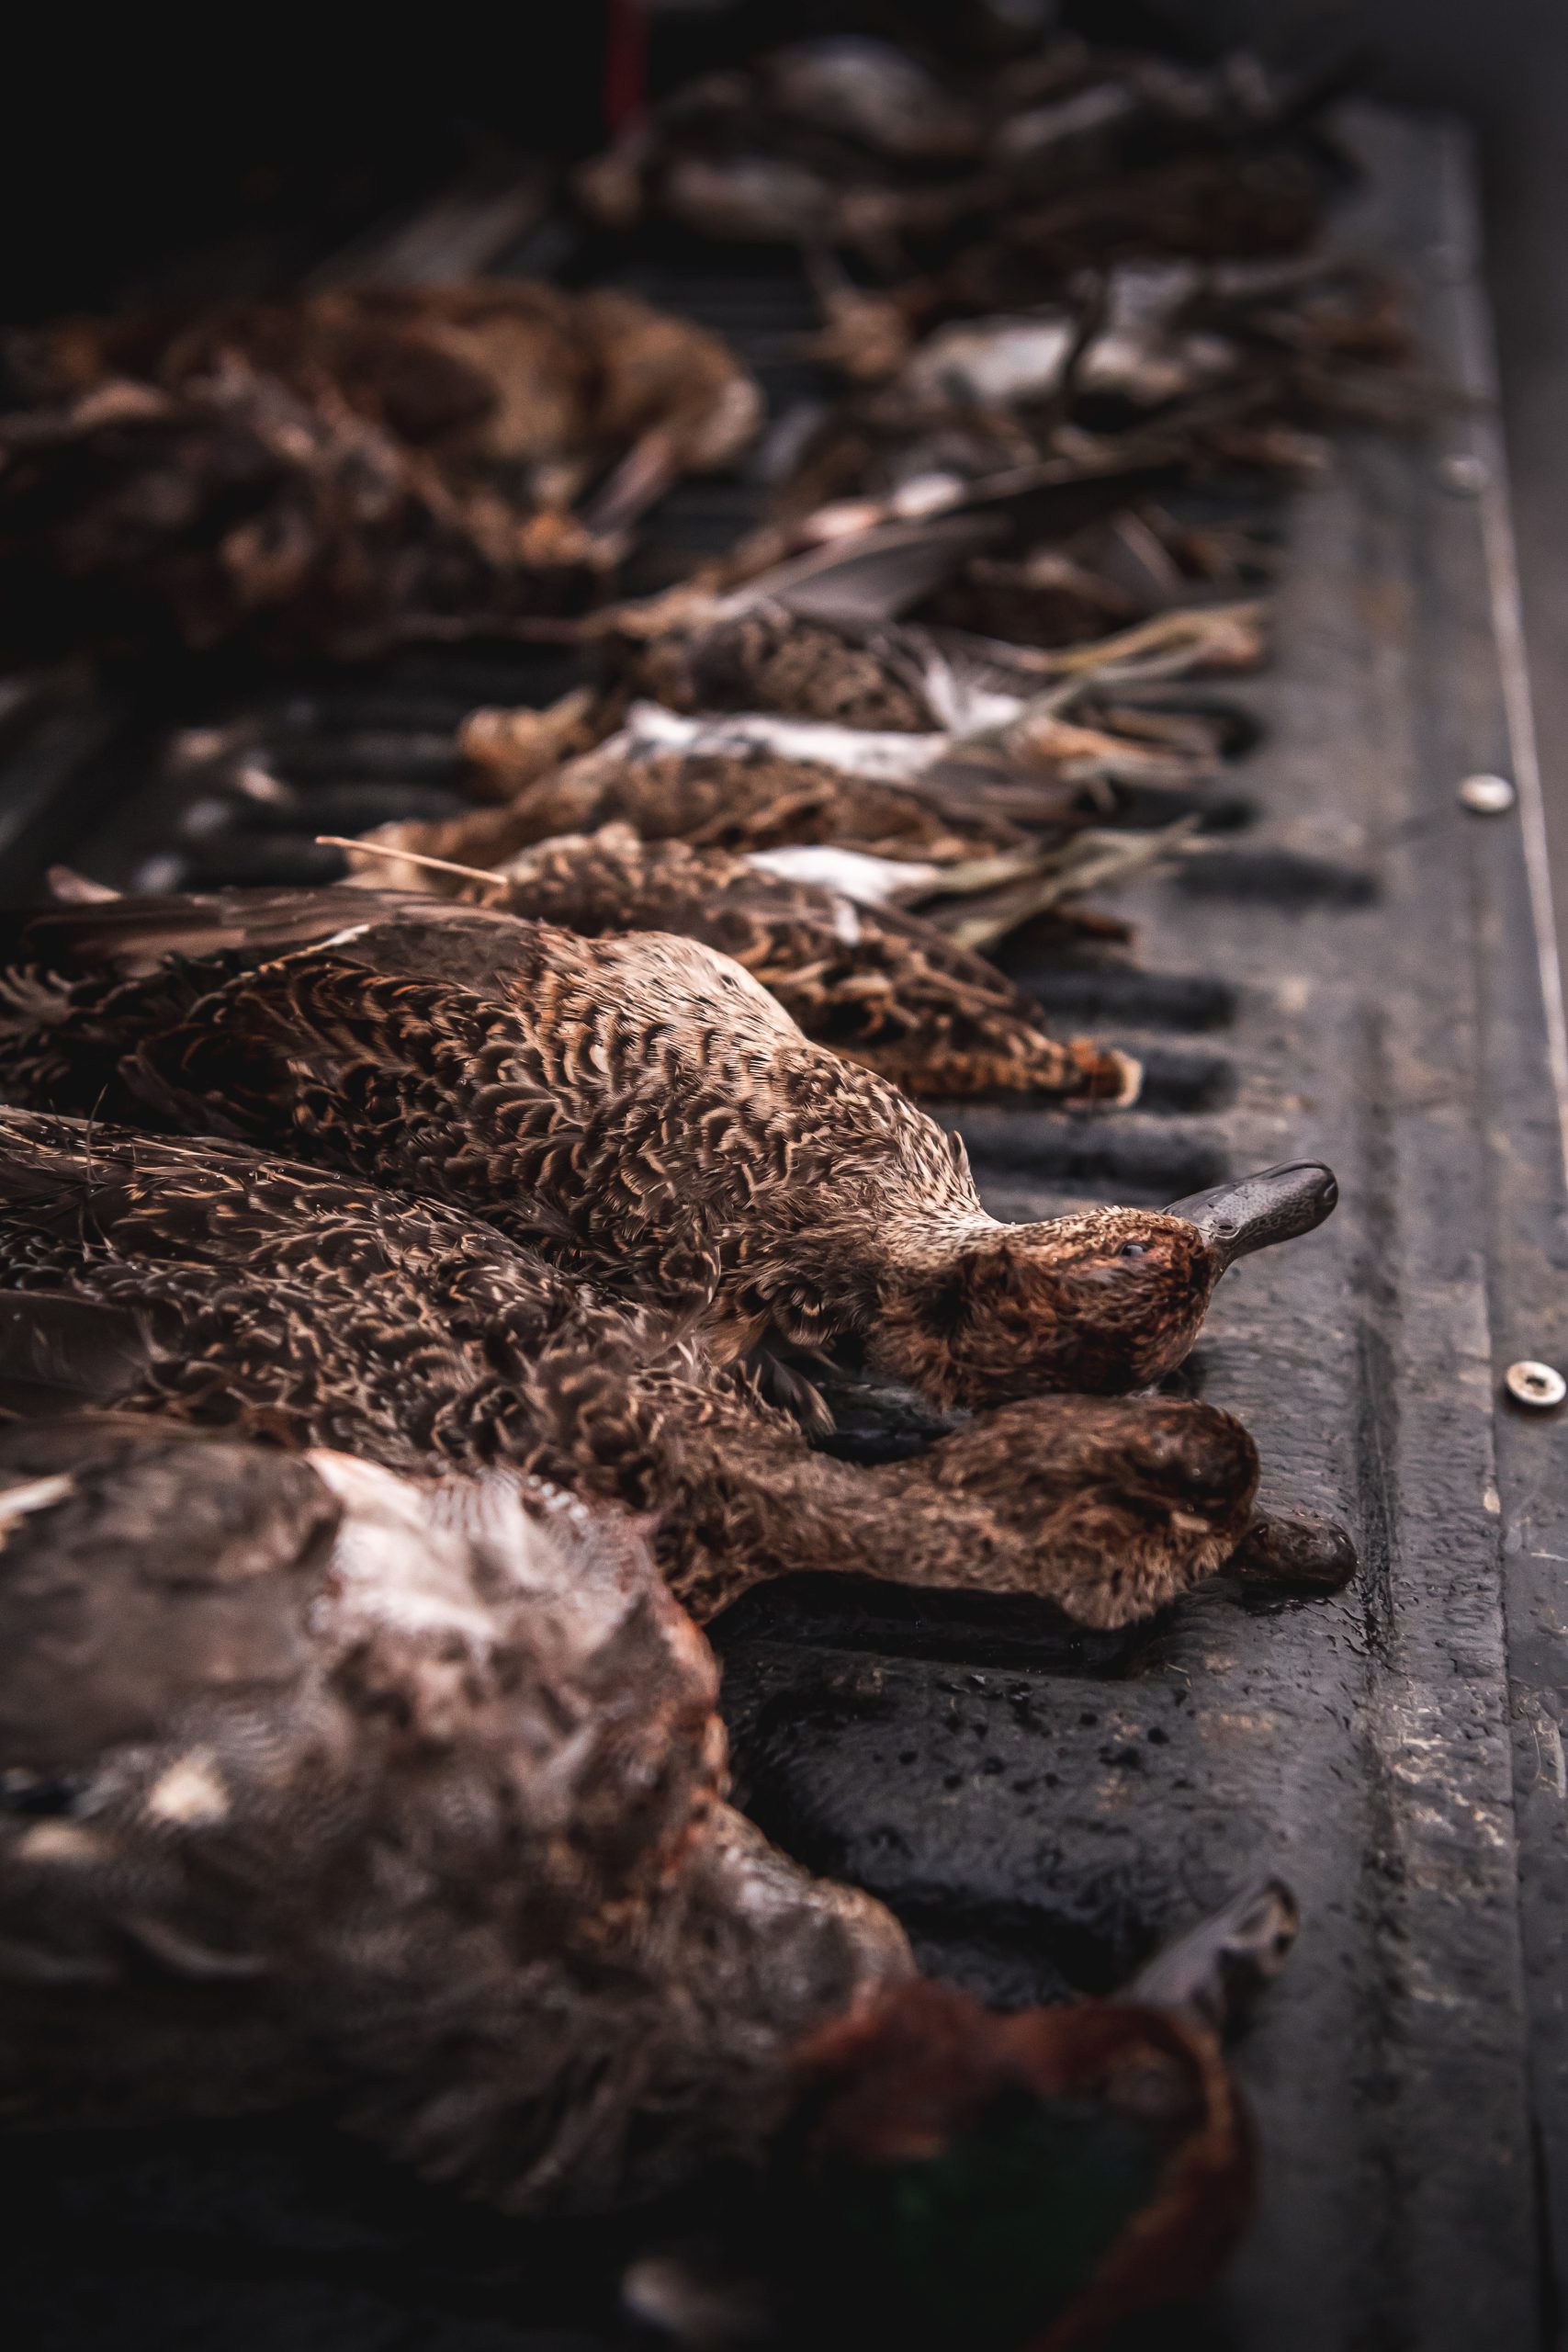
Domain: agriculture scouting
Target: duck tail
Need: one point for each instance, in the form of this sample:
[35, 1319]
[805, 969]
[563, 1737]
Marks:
[991, 904]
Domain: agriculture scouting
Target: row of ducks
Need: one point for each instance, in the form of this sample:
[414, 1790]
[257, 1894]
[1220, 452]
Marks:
[1116, 266]
[895, 151]
[427, 1304]
[424, 1307]
[399, 1300]
[851, 808]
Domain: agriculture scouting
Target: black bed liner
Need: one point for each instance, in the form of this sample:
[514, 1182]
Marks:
[1355, 974]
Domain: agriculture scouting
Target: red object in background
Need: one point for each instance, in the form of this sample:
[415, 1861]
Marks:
[625, 65]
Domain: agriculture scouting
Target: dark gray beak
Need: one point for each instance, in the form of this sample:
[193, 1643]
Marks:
[1214, 1972]
[1276, 1205]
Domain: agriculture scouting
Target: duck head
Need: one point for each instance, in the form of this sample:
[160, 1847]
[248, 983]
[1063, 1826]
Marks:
[951, 2177]
[1105, 1301]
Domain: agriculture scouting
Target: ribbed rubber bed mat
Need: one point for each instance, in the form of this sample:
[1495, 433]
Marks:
[1345, 967]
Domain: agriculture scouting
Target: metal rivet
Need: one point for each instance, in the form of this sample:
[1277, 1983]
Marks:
[1463, 474]
[1487, 796]
[1540, 1384]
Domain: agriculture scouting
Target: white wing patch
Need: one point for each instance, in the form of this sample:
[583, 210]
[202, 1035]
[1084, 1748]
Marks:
[855, 750]
[873, 881]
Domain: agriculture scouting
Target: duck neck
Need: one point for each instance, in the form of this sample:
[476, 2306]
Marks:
[762, 1505]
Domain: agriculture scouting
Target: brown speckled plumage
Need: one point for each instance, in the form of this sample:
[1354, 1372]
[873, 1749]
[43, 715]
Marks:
[766, 657]
[322, 1783]
[753, 799]
[201, 1280]
[879, 985]
[349, 470]
[639, 1100]
[499, 373]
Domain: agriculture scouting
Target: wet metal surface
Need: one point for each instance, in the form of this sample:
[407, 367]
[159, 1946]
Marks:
[1350, 975]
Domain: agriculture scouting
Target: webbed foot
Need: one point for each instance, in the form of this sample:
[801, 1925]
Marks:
[1299, 1551]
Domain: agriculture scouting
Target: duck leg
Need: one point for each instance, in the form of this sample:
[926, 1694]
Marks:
[1294, 1551]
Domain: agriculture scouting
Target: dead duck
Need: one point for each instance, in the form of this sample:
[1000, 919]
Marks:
[878, 985]
[884, 517]
[202, 1281]
[350, 470]
[507, 377]
[972, 846]
[761, 656]
[320, 1783]
[830, 140]
[730, 785]
[887, 152]
[642, 1099]
[817, 630]
[1199, 368]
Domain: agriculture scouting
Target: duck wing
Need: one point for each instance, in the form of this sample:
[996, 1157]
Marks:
[873, 575]
[883, 571]
[320, 1781]
[206, 1281]
[132, 937]
[181, 1012]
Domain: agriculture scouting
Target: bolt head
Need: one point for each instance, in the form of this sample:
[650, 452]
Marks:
[1540, 1385]
[1462, 474]
[1487, 796]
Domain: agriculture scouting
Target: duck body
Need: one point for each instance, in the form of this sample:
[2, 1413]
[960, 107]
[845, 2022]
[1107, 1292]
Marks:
[748, 785]
[346, 470]
[880, 986]
[757, 655]
[638, 1102]
[207, 1281]
[890, 742]
[322, 1782]
[766, 657]
[885, 152]
[503, 373]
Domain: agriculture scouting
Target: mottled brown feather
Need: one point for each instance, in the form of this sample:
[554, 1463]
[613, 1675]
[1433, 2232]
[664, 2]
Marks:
[409, 1800]
[321, 1783]
[640, 1100]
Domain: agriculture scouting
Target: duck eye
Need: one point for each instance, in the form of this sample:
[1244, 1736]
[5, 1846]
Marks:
[1134, 1249]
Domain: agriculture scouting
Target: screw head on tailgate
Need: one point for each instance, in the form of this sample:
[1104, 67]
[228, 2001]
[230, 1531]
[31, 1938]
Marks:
[1540, 1384]
[1487, 796]
[1462, 474]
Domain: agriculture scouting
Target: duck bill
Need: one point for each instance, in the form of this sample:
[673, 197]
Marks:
[1275, 1204]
